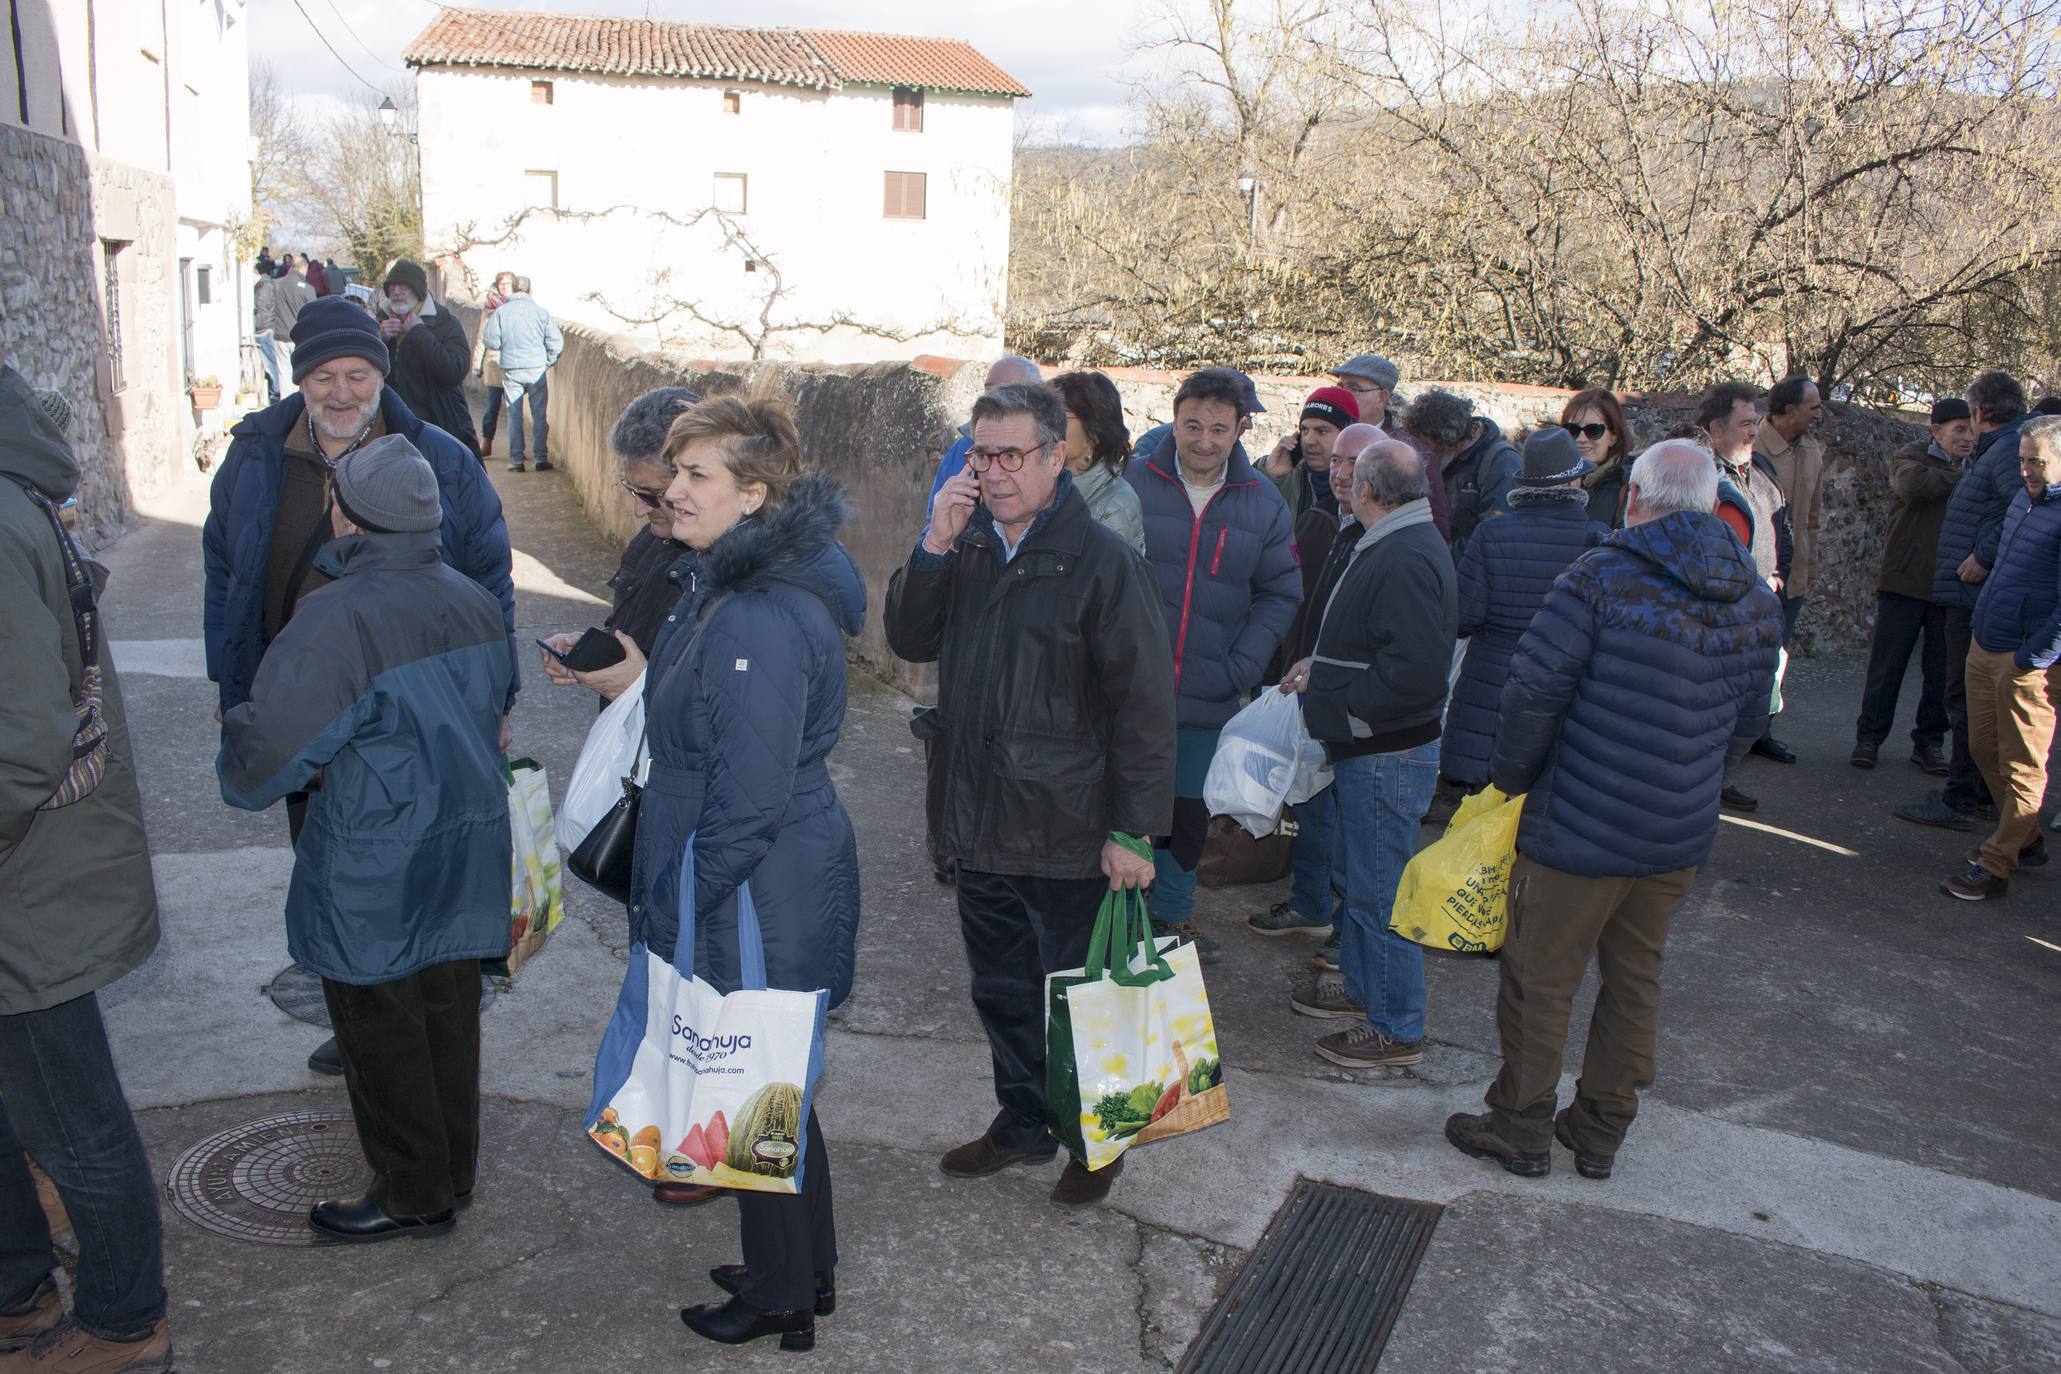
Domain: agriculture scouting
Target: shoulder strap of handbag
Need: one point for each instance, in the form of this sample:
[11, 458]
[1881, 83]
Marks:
[700, 624]
[78, 583]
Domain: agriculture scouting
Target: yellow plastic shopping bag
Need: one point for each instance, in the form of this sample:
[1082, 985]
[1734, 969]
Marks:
[1455, 893]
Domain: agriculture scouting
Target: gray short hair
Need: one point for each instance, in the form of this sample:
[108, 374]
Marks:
[1038, 401]
[639, 435]
[1013, 368]
[1676, 475]
[2041, 432]
[1391, 473]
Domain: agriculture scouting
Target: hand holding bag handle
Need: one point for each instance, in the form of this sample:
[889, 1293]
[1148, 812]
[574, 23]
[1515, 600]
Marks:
[751, 945]
[1123, 933]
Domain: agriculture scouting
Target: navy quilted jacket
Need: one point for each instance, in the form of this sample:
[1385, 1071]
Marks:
[1506, 571]
[1653, 653]
[1228, 583]
[1975, 515]
[2019, 611]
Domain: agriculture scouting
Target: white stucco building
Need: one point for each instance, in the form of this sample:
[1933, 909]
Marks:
[786, 193]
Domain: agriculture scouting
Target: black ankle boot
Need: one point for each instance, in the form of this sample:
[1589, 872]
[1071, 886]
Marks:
[730, 1278]
[737, 1321]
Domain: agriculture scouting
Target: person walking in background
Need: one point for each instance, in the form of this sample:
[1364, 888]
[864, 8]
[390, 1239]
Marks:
[489, 363]
[391, 681]
[1921, 479]
[81, 911]
[1056, 701]
[744, 702]
[1650, 664]
[1968, 537]
[1098, 448]
[1219, 540]
[1789, 448]
[1509, 567]
[1595, 419]
[1477, 465]
[2013, 688]
[317, 276]
[430, 353]
[262, 292]
[529, 343]
[1373, 692]
[290, 295]
[334, 279]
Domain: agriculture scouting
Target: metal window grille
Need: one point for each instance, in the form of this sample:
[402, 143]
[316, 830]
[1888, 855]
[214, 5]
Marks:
[111, 284]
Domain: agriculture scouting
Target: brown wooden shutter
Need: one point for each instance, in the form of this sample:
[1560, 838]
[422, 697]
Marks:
[905, 195]
[909, 109]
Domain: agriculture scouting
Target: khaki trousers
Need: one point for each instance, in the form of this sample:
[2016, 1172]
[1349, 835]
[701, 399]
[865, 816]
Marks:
[1557, 920]
[2010, 728]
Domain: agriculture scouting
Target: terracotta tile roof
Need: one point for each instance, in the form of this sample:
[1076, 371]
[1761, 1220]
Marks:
[893, 59]
[818, 59]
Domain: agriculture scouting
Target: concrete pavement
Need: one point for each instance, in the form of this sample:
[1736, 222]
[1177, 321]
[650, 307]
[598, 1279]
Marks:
[1848, 1163]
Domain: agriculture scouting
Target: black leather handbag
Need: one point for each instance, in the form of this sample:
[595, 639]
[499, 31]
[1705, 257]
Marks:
[606, 859]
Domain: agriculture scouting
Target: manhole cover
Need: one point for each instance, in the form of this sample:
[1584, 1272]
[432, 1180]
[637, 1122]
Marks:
[298, 993]
[256, 1182]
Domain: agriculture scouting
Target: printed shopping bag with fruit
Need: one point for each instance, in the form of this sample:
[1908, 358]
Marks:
[693, 1085]
[536, 883]
[1131, 1049]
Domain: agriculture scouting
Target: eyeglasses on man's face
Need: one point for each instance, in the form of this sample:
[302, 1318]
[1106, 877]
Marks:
[1008, 459]
[1588, 431]
[643, 496]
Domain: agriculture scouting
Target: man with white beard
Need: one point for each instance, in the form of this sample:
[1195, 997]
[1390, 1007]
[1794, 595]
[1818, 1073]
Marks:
[269, 509]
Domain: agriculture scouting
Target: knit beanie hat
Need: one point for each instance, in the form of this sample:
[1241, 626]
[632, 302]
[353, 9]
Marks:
[410, 275]
[332, 327]
[1948, 409]
[1334, 405]
[387, 487]
[54, 407]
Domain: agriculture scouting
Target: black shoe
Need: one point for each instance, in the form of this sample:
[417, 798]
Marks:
[543, 465]
[1587, 1165]
[517, 467]
[1864, 754]
[946, 872]
[1935, 812]
[1738, 800]
[730, 1278]
[363, 1221]
[1475, 1134]
[737, 1321]
[327, 1059]
[1768, 747]
[1930, 758]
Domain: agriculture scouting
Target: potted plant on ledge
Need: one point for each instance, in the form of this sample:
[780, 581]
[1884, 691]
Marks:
[206, 392]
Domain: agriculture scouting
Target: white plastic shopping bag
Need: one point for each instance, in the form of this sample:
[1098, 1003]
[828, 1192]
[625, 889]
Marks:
[608, 756]
[697, 1086]
[1265, 760]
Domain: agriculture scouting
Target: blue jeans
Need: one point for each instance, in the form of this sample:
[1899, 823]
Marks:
[1317, 840]
[539, 396]
[268, 349]
[60, 1098]
[1381, 803]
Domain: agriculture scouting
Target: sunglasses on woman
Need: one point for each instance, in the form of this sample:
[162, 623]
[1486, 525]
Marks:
[1588, 431]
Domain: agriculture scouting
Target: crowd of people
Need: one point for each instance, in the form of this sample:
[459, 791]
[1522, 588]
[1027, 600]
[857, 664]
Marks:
[1598, 633]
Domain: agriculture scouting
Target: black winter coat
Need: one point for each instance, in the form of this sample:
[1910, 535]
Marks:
[1975, 515]
[1055, 692]
[430, 363]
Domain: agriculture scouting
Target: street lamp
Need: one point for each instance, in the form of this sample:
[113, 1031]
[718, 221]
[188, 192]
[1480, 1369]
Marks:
[1250, 187]
[388, 111]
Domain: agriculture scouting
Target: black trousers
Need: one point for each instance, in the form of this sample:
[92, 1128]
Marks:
[1965, 789]
[1017, 930]
[411, 1063]
[788, 1240]
[1901, 623]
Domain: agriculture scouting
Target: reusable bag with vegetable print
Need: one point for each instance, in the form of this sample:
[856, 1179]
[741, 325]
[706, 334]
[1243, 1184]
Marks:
[536, 885]
[1131, 1049]
[693, 1085]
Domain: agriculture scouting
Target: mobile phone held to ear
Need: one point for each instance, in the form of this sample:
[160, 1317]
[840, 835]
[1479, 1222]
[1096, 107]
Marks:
[594, 650]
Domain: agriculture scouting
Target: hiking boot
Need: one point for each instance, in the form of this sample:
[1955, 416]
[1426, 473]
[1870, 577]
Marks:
[64, 1347]
[1283, 919]
[1327, 957]
[1864, 754]
[1363, 1047]
[1739, 800]
[1325, 997]
[1206, 949]
[1476, 1134]
[1931, 758]
[20, 1326]
[1935, 812]
[1978, 884]
[979, 1158]
[2033, 855]
[1080, 1186]
[1768, 747]
[1587, 1165]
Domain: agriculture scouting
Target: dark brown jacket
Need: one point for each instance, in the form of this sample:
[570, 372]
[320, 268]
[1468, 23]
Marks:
[1921, 478]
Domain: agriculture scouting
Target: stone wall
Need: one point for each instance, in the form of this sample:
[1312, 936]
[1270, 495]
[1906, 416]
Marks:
[881, 429]
[57, 200]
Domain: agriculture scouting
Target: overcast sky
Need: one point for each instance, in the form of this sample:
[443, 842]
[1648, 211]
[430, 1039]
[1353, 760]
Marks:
[1071, 53]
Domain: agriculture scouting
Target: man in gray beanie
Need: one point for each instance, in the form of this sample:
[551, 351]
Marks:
[389, 682]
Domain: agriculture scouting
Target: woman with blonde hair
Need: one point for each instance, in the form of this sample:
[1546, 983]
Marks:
[744, 700]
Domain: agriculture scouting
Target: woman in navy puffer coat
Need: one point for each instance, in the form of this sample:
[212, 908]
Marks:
[1505, 572]
[744, 698]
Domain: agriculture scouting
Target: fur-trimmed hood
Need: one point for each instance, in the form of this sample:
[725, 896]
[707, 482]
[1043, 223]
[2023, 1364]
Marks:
[795, 543]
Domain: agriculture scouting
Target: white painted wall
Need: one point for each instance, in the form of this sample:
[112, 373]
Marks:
[630, 152]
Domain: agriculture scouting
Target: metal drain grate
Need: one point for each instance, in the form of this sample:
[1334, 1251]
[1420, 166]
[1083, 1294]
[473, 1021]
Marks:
[298, 992]
[257, 1182]
[1321, 1291]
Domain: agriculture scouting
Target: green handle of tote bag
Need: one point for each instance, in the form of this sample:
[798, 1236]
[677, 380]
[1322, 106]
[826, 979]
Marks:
[1123, 932]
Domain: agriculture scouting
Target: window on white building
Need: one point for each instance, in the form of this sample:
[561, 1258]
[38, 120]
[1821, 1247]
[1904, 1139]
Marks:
[730, 193]
[733, 102]
[205, 280]
[905, 195]
[909, 109]
[540, 93]
[540, 190]
[111, 288]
